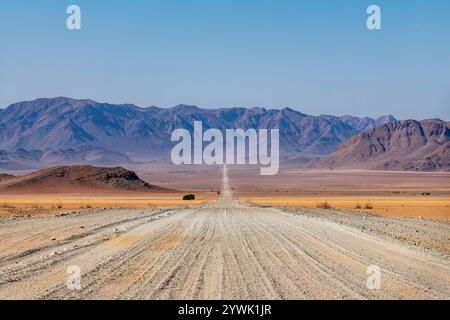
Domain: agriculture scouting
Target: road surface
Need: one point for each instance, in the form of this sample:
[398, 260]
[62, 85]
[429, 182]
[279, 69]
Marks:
[224, 250]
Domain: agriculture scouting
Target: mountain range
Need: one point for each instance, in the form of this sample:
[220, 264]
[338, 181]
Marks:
[58, 131]
[401, 145]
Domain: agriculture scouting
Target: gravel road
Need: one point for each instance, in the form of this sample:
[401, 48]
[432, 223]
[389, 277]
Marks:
[224, 250]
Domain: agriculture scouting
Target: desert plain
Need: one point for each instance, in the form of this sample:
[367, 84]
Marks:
[385, 193]
[302, 234]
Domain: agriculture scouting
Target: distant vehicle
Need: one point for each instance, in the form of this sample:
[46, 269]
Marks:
[189, 197]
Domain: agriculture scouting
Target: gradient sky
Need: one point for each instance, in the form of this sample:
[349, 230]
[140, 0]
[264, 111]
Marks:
[314, 56]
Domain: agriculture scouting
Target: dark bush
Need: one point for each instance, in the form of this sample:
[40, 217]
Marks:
[324, 205]
[368, 206]
[189, 197]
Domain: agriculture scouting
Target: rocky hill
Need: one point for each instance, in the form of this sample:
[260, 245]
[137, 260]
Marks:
[401, 145]
[77, 179]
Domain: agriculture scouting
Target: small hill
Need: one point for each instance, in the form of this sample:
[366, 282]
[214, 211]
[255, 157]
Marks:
[78, 180]
[4, 177]
[403, 145]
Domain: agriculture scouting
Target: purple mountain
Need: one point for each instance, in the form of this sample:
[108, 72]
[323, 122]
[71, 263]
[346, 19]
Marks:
[63, 130]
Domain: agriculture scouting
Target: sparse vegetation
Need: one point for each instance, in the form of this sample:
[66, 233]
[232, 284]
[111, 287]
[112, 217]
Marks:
[368, 206]
[324, 205]
[52, 206]
[6, 205]
[358, 206]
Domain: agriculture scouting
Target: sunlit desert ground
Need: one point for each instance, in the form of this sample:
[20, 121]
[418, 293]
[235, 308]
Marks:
[433, 207]
[385, 193]
[59, 204]
[221, 248]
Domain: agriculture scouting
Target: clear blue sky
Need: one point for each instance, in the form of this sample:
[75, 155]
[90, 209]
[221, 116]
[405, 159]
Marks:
[314, 56]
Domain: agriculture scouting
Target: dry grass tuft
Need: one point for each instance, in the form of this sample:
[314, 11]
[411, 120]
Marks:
[324, 205]
[368, 206]
[6, 205]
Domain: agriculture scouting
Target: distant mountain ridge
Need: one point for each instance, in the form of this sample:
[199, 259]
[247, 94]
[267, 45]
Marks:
[366, 123]
[22, 159]
[64, 130]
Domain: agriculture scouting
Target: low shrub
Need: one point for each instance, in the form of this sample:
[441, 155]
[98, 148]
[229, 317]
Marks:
[368, 206]
[324, 205]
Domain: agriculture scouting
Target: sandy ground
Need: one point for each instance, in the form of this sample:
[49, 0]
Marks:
[362, 183]
[223, 250]
[387, 193]
[44, 205]
[437, 208]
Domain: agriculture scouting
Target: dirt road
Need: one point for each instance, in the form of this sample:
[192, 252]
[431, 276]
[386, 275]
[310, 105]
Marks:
[221, 251]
